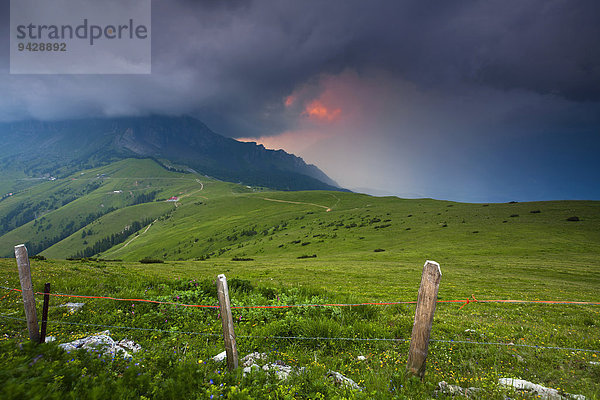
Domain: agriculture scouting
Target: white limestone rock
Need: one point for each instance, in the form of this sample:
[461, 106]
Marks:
[539, 390]
[220, 357]
[455, 390]
[340, 379]
[252, 358]
[73, 306]
[103, 343]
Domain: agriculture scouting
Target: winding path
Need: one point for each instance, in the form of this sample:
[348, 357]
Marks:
[297, 202]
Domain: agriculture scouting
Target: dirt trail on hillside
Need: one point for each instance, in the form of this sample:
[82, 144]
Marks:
[135, 237]
[297, 202]
[195, 191]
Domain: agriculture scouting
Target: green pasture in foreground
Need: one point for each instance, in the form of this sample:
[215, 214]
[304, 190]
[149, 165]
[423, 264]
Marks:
[179, 365]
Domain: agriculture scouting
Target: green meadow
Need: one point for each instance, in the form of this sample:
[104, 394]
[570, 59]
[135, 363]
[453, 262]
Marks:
[290, 248]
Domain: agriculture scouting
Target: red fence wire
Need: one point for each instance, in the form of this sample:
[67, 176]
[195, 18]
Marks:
[464, 302]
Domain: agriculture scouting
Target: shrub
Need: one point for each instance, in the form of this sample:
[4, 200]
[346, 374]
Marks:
[149, 260]
[535, 211]
[307, 256]
[242, 259]
[248, 232]
[207, 287]
[573, 219]
[240, 285]
[268, 292]
[378, 250]
[382, 226]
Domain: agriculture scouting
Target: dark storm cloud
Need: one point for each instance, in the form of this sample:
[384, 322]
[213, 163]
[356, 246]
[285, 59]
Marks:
[231, 63]
[545, 46]
[550, 47]
[259, 52]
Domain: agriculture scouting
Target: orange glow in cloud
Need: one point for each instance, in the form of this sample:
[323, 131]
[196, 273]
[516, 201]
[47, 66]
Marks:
[289, 100]
[317, 110]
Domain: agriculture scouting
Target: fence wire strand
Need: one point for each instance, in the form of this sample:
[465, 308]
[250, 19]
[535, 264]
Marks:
[395, 340]
[275, 306]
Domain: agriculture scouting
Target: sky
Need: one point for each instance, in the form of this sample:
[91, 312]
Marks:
[474, 101]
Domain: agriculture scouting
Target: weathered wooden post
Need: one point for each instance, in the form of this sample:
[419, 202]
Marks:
[227, 321]
[27, 292]
[45, 312]
[419, 341]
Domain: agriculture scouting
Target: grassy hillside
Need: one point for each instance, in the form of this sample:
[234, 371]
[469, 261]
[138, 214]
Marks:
[53, 210]
[12, 180]
[214, 219]
[360, 228]
[115, 222]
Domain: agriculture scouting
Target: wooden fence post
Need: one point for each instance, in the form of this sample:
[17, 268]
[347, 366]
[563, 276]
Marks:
[227, 321]
[45, 312]
[419, 341]
[27, 292]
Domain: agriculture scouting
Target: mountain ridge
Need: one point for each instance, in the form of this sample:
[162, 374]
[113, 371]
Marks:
[62, 147]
